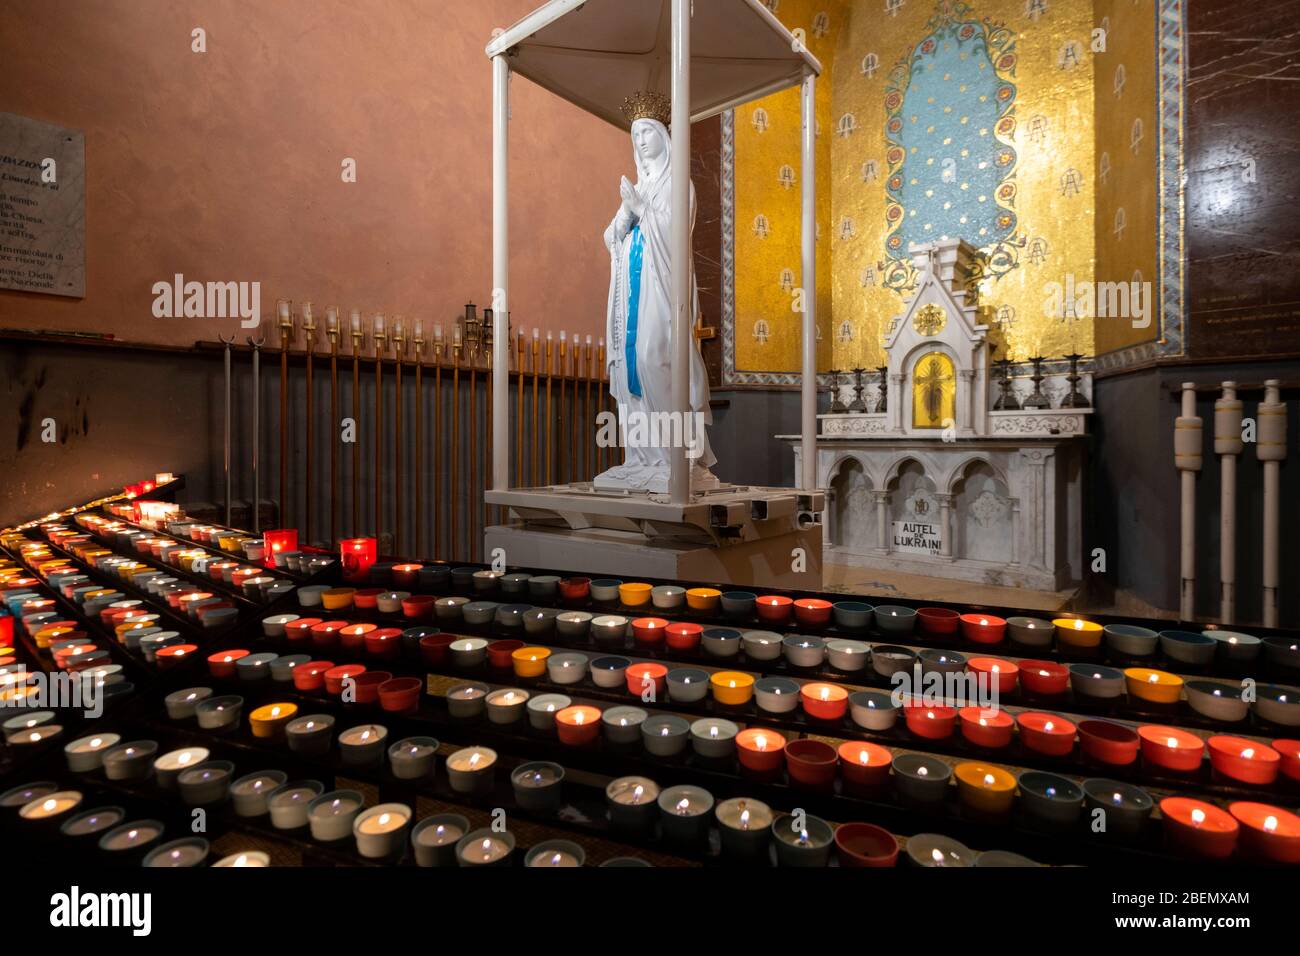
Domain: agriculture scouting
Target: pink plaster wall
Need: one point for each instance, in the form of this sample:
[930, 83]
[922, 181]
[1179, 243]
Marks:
[226, 165]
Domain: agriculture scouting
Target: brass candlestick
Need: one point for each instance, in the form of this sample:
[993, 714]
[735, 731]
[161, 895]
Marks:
[437, 440]
[309, 328]
[418, 343]
[456, 346]
[358, 341]
[285, 309]
[381, 338]
[332, 332]
[399, 350]
[550, 369]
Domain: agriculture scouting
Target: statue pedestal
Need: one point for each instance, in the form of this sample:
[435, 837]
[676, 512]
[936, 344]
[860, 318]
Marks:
[734, 535]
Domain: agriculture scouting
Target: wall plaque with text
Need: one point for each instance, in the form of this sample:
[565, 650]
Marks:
[42, 207]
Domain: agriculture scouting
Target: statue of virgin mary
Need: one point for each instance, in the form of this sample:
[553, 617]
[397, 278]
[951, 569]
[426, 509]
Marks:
[639, 318]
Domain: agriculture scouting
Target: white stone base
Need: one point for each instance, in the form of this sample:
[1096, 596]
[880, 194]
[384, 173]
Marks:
[993, 573]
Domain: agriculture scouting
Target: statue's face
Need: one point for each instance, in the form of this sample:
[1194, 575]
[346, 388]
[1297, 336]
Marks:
[649, 144]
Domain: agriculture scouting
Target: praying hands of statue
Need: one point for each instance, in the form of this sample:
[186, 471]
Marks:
[631, 199]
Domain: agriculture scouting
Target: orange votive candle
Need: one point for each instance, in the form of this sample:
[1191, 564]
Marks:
[732, 687]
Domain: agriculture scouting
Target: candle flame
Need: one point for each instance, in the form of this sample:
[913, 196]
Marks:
[863, 756]
[1270, 824]
[555, 860]
[383, 819]
[922, 771]
[1078, 625]
[826, 693]
[1154, 678]
[474, 759]
[731, 684]
[1198, 816]
[760, 742]
[1248, 753]
[637, 793]
[579, 717]
[683, 805]
[984, 621]
[713, 731]
[744, 819]
[989, 780]
[49, 805]
[937, 855]
[1048, 727]
[1173, 742]
[275, 711]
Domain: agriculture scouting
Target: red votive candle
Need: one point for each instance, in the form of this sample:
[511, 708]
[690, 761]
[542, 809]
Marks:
[325, 635]
[938, 620]
[577, 726]
[282, 540]
[71, 650]
[353, 637]
[418, 606]
[384, 643]
[367, 599]
[931, 722]
[864, 764]
[760, 750]
[983, 628]
[683, 635]
[222, 664]
[811, 762]
[335, 676]
[639, 676]
[812, 612]
[1267, 831]
[1046, 678]
[433, 648]
[368, 685]
[357, 555]
[995, 673]
[299, 631]
[400, 694]
[575, 589]
[1198, 828]
[774, 608]
[1048, 734]
[1170, 748]
[404, 575]
[311, 676]
[986, 727]
[649, 630]
[6, 631]
[174, 654]
[1289, 752]
[499, 653]
[1243, 760]
[824, 701]
[1108, 742]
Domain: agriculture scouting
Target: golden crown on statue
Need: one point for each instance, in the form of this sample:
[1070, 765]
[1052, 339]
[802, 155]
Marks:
[645, 104]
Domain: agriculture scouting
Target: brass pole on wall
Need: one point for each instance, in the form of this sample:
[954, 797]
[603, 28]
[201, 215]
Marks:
[285, 309]
[519, 418]
[575, 416]
[419, 438]
[332, 330]
[399, 349]
[309, 328]
[437, 440]
[537, 367]
[455, 436]
[587, 417]
[380, 337]
[358, 339]
[550, 370]
[472, 355]
[561, 471]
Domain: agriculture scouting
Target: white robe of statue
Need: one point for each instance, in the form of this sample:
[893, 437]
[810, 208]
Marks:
[640, 359]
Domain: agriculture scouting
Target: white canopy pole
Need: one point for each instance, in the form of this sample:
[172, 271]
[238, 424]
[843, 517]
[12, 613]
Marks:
[500, 275]
[679, 476]
[808, 234]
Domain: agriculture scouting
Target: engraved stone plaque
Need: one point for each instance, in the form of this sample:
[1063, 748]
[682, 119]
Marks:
[42, 207]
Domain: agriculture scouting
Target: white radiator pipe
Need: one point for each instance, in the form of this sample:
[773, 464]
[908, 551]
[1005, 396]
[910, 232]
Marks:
[1271, 449]
[1228, 446]
[1187, 459]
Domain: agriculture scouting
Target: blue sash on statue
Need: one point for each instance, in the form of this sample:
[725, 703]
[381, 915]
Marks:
[633, 306]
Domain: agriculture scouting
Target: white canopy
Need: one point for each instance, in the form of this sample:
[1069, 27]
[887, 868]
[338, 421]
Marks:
[593, 53]
[707, 56]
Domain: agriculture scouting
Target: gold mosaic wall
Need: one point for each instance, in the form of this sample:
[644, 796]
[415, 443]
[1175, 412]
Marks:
[768, 250]
[1028, 117]
[1128, 163]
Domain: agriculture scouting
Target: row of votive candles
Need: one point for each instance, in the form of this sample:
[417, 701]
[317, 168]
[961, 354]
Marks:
[1218, 700]
[1070, 633]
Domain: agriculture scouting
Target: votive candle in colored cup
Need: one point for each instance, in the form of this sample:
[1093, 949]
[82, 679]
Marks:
[812, 612]
[824, 701]
[985, 788]
[578, 725]
[1170, 748]
[997, 675]
[1076, 633]
[760, 749]
[1048, 734]
[1268, 832]
[1246, 761]
[1045, 678]
[1152, 686]
[1197, 828]
[732, 688]
[774, 608]
[986, 726]
[983, 628]
[647, 677]
[863, 763]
